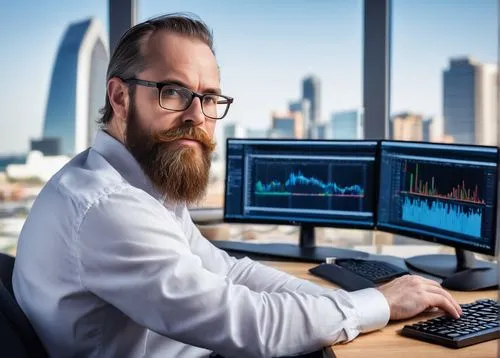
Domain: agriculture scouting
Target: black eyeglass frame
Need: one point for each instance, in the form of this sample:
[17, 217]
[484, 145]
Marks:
[160, 85]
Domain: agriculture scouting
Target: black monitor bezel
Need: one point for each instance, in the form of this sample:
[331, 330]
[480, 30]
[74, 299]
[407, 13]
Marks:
[431, 238]
[274, 221]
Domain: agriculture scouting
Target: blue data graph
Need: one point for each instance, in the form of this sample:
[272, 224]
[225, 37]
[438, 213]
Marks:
[299, 184]
[442, 215]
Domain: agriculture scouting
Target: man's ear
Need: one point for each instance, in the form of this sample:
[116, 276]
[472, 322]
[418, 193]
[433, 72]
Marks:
[118, 98]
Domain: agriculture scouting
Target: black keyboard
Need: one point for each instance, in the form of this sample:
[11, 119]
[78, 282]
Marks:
[478, 323]
[373, 270]
[342, 277]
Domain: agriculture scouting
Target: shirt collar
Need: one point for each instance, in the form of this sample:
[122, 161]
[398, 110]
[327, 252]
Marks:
[124, 163]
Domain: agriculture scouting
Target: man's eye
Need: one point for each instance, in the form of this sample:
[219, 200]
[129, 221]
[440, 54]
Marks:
[210, 99]
[168, 92]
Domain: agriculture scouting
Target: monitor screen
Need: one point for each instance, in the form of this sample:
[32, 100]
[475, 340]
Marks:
[324, 183]
[439, 192]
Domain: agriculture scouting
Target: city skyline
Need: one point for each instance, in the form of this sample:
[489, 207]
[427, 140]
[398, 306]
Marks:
[283, 54]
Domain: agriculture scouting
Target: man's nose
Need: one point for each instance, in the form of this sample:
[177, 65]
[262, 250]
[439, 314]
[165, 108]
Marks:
[194, 113]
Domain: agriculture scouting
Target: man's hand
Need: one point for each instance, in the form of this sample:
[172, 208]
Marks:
[410, 294]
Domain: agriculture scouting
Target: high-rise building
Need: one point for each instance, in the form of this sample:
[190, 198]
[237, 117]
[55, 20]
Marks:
[426, 129]
[346, 125]
[320, 130]
[470, 101]
[77, 86]
[287, 125]
[311, 91]
[407, 126]
[303, 107]
[48, 146]
[295, 106]
[487, 104]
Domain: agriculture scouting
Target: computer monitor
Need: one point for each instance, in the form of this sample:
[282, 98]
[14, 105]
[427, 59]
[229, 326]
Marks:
[301, 182]
[443, 193]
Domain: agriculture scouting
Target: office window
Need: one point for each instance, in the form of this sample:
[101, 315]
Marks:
[444, 76]
[294, 68]
[444, 80]
[289, 65]
[48, 108]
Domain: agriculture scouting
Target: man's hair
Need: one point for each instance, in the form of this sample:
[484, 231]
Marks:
[129, 58]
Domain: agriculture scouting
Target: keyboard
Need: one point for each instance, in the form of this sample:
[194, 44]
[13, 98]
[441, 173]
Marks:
[478, 323]
[373, 270]
[342, 277]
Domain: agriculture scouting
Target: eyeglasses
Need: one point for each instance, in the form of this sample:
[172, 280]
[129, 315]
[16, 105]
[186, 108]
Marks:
[177, 98]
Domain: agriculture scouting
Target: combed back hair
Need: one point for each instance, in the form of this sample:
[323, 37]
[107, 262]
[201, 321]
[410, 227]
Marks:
[129, 59]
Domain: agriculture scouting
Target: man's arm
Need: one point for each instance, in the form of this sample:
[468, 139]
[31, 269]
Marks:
[406, 296]
[257, 277]
[134, 255]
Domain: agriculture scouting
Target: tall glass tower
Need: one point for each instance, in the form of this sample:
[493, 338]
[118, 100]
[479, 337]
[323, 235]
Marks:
[470, 101]
[77, 87]
[311, 91]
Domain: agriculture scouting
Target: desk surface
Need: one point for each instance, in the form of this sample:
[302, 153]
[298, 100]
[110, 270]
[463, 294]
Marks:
[387, 342]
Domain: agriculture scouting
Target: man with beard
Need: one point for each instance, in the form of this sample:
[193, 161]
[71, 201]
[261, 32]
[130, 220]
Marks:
[109, 263]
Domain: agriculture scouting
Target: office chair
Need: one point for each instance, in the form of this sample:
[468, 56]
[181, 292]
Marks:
[17, 336]
[6, 268]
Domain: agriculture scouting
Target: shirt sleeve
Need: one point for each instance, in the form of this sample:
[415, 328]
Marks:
[134, 255]
[258, 277]
[371, 305]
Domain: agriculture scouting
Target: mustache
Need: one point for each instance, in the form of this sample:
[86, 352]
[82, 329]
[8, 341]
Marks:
[185, 132]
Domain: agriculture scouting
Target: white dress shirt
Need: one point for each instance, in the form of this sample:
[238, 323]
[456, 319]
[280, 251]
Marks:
[106, 268]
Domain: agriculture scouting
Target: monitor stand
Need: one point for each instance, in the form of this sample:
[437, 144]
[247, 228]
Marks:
[306, 251]
[462, 271]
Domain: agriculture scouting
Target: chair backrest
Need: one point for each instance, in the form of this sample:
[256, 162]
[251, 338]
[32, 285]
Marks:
[6, 269]
[17, 336]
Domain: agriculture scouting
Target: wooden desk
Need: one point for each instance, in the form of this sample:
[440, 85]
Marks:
[387, 342]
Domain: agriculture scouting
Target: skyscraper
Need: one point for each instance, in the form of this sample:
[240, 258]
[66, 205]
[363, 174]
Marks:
[408, 126]
[487, 104]
[311, 91]
[302, 106]
[469, 101]
[287, 125]
[426, 129]
[346, 125]
[77, 86]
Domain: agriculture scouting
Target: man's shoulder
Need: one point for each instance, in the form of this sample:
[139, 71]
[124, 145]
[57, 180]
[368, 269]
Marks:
[86, 179]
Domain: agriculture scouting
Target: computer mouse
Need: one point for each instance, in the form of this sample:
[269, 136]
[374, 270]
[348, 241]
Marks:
[472, 280]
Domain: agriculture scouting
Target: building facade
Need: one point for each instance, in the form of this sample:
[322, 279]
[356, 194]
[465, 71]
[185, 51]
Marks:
[287, 125]
[470, 101]
[303, 107]
[77, 86]
[311, 91]
[346, 125]
[407, 126]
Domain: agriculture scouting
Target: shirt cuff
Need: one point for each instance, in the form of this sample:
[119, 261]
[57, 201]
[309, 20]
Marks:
[372, 309]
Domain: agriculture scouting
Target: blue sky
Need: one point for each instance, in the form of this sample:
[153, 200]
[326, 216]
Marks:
[264, 49]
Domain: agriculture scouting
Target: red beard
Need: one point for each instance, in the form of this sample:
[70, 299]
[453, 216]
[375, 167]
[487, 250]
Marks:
[178, 171]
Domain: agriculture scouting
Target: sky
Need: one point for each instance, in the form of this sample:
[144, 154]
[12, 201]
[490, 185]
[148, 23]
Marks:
[264, 49]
